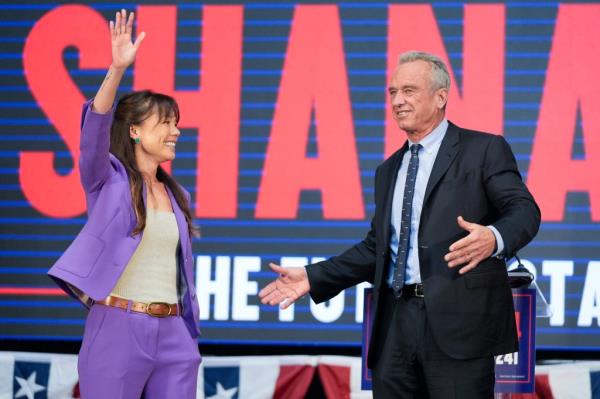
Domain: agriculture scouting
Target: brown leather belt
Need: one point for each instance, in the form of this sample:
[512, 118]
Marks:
[156, 309]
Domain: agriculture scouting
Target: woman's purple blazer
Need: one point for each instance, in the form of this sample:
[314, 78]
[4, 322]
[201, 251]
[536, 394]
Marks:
[92, 264]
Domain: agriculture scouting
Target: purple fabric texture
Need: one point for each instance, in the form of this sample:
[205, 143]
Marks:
[125, 354]
[95, 260]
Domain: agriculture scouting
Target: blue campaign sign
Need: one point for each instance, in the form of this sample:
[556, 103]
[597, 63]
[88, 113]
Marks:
[515, 372]
[366, 378]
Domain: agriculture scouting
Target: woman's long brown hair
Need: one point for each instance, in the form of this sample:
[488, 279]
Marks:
[133, 109]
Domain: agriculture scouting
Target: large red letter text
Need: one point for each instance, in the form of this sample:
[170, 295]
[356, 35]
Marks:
[313, 77]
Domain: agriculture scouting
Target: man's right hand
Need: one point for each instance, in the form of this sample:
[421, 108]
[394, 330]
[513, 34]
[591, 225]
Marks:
[291, 284]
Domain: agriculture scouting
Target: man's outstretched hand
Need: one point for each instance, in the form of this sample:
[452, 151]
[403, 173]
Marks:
[291, 284]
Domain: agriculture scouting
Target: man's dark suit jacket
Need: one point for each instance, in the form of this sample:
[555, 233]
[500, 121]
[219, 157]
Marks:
[475, 175]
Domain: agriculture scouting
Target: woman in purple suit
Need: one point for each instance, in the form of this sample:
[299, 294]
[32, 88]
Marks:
[132, 261]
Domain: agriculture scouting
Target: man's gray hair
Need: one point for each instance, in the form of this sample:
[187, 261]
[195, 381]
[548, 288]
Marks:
[440, 78]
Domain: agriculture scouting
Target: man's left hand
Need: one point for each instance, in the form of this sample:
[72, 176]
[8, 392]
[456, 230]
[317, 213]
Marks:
[472, 249]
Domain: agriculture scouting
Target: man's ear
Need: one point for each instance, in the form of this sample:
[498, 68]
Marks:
[442, 98]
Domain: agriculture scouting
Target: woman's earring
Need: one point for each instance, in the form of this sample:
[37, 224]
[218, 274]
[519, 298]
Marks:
[136, 139]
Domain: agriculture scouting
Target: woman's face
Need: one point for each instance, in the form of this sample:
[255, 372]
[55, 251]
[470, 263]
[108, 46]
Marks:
[158, 139]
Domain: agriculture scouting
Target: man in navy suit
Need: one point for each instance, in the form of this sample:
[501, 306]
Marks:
[450, 207]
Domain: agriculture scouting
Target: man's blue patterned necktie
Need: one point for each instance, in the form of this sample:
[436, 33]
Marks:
[409, 191]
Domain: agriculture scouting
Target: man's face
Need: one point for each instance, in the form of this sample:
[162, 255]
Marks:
[415, 108]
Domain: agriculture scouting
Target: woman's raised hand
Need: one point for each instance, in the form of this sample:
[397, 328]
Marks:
[123, 55]
[123, 48]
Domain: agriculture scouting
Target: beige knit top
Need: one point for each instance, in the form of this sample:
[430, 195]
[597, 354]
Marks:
[151, 274]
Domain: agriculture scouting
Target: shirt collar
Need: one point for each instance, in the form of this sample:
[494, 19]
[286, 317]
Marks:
[433, 140]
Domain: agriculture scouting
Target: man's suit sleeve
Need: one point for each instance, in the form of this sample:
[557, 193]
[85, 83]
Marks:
[353, 266]
[335, 274]
[519, 218]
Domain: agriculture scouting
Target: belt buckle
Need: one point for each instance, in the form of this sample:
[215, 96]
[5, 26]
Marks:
[417, 286]
[148, 311]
